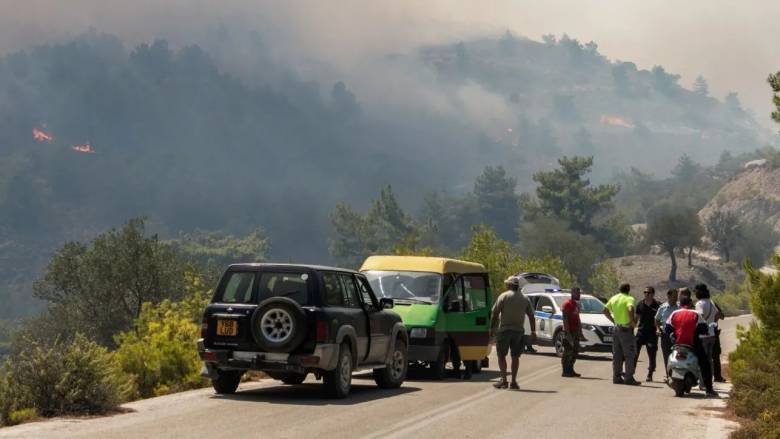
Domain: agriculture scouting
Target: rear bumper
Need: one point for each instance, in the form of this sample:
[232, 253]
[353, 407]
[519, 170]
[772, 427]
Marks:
[324, 357]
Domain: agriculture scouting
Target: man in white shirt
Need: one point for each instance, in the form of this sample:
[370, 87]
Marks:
[711, 314]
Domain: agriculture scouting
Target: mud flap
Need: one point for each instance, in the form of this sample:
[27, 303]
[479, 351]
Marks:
[209, 371]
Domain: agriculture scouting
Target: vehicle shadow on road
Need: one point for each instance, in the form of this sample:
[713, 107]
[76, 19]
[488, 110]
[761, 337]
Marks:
[312, 394]
[583, 357]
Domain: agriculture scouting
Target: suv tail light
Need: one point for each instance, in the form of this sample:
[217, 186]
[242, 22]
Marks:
[681, 355]
[204, 327]
[322, 331]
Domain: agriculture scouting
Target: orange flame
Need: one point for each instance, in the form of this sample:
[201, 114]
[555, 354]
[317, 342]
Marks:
[87, 148]
[616, 121]
[41, 136]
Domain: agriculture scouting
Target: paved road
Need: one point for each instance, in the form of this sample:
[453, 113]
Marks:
[546, 406]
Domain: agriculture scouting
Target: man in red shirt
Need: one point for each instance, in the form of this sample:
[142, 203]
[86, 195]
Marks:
[572, 333]
[687, 326]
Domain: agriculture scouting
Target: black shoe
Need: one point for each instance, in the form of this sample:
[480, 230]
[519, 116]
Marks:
[576, 375]
[569, 375]
[712, 394]
[501, 385]
[632, 382]
[617, 380]
[530, 350]
[514, 386]
[649, 378]
[720, 380]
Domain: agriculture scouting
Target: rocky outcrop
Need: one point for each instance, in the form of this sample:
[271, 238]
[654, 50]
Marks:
[753, 195]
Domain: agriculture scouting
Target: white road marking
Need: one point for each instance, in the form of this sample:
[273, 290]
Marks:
[408, 425]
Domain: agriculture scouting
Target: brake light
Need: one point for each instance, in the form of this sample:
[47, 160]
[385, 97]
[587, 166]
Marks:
[681, 355]
[204, 327]
[208, 356]
[322, 331]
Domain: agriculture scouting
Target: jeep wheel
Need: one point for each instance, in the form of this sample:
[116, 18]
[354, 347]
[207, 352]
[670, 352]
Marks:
[439, 367]
[226, 381]
[278, 325]
[338, 381]
[558, 341]
[393, 375]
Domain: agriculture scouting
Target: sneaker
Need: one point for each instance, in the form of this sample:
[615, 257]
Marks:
[632, 382]
[514, 386]
[501, 385]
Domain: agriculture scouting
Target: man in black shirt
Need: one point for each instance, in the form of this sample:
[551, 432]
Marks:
[646, 331]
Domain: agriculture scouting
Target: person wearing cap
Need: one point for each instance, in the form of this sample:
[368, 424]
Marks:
[507, 324]
[620, 311]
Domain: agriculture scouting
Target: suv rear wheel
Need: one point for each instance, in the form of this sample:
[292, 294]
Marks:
[338, 381]
[393, 375]
[226, 381]
[558, 341]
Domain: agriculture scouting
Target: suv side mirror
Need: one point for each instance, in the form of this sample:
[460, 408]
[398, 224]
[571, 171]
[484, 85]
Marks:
[386, 303]
[548, 309]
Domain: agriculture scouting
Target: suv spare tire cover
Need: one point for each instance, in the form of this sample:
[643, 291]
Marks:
[278, 324]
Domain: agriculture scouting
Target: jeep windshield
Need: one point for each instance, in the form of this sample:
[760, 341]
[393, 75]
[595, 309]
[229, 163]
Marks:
[588, 305]
[412, 286]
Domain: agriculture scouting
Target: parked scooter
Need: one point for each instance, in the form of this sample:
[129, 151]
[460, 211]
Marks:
[683, 371]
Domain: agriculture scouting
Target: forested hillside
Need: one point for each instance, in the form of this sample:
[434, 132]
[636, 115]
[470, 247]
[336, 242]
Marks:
[93, 133]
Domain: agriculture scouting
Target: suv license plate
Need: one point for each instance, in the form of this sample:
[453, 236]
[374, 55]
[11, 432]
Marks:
[227, 327]
[607, 339]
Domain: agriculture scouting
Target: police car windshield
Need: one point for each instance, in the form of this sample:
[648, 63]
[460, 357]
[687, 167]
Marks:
[588, 305]
[413, 286]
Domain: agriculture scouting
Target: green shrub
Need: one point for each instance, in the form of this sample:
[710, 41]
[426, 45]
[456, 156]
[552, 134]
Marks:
[79, 377]
[734, 301]
[755, 364]
[6, 396]
[159, 353]
[22, 415]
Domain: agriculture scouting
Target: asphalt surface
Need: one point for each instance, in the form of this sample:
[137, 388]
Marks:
[546, 406]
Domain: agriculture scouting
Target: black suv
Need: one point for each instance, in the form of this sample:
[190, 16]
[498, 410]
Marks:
[291, 320]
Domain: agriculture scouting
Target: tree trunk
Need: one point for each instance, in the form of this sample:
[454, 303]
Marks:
[690, 254]
[673, 271]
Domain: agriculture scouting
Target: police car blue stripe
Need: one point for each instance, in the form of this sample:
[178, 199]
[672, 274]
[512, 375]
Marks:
[547, 315]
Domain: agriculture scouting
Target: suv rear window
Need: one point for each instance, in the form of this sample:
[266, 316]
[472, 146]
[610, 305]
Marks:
[238, 288]
[293, 285]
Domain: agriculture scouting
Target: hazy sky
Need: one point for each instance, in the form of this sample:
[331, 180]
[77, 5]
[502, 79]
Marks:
[734, 45]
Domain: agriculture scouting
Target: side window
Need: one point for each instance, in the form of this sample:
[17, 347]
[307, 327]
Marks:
[350, 291]
[365, 294]
[544, 301]
[454, 299]
[476, 292]
[334, 293]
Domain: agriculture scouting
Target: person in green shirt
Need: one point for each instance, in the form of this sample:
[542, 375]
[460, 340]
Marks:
[620, 310]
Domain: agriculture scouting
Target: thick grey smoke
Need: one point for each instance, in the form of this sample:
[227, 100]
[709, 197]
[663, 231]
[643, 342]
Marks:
[731, 45]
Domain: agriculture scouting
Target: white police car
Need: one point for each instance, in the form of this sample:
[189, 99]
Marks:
[547, 297]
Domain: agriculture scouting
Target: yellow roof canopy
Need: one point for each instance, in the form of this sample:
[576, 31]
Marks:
[421, 263]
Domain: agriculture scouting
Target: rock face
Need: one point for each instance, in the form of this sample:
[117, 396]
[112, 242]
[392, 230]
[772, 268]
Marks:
[754, 195]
